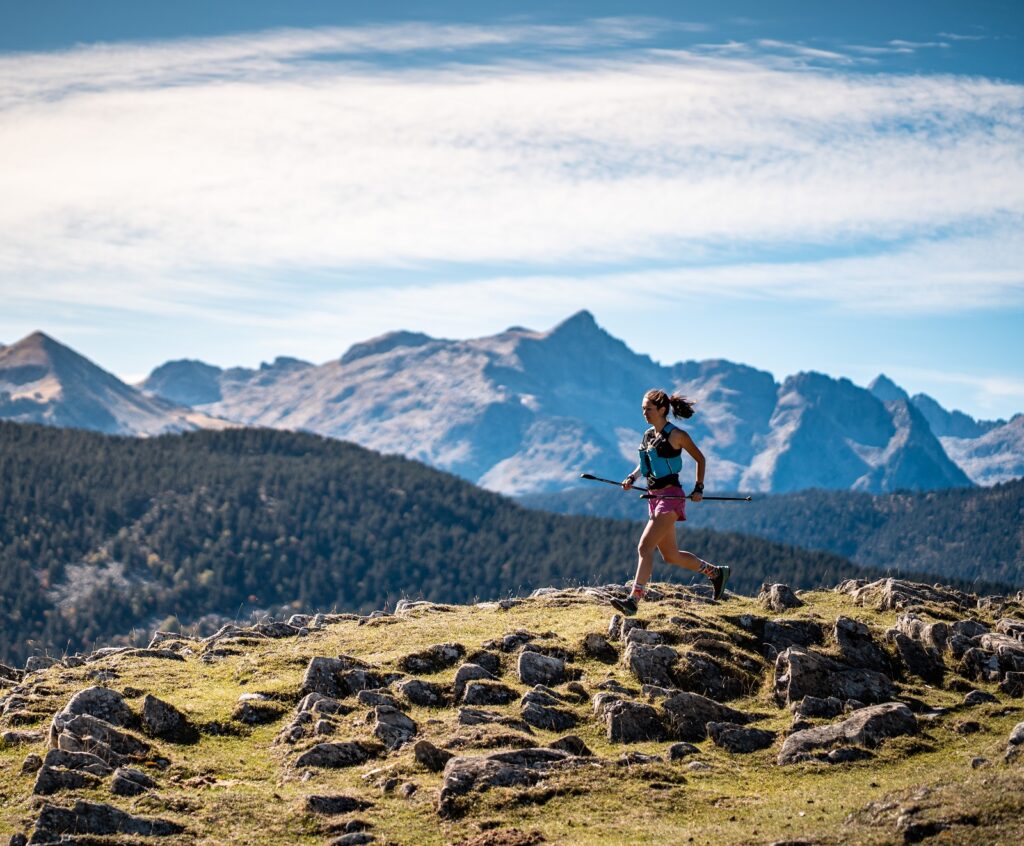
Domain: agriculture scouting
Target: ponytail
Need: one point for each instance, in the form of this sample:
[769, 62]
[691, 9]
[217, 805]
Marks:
[680, 405]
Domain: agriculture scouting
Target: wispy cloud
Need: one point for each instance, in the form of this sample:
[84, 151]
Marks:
[199, 174]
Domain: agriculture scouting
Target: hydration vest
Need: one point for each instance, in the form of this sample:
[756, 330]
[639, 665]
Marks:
[659, 459]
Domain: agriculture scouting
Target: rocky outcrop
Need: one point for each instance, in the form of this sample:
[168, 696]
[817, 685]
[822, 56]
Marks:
[866, 727]
[800, 672]
[778, 598]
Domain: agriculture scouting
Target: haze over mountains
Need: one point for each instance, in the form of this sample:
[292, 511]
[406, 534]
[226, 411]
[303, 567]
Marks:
[524, 411]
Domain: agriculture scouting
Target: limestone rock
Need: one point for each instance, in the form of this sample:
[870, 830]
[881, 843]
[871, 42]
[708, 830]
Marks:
[324, 676]
[651, 664]
[393, 727]
[919, 660]
[814, 706]
[534, 668]
[52, 779]
[597, 646]
[800, 673]
[80, 761]
[99, 702]
[163, 720]
[20, 738]
[739, 739]
[1013, 684]
[686, 715]
[858, 648]
[571, 744]
[521, 768]
[638, 635]
[545, 716]
[866, 727]
[128, 781]
[778, 597]
[979, 697]
[419, 692]
[681, 751]
[98, 819]
[373, 697]
[632, 722]
[488, 693]
[782, 634]
[467, 673]
[433, 758]
[338, 755]
[433, 659]
[331, 805]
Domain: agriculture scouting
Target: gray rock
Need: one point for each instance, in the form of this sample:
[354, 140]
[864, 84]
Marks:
[335, 804]
[433, 659]
[81, 761]
[252, 713]
[979, 665]
[547, 717]
[739, 739]
[632, 722]
[929, 635]
[98, 702]
[630, 759]
[686, 715]
[717, 679]
[424, 693]
[604, 700]
[39, 662]
[317, 703]
[21, 738]
[858, 648]
[52, 779]
[488, 693]
[782, 634]
[651, 664]
[96, 818]
[638, 635]
[490, 661]
[778, 597]
[969, 628]
[370, 698]
[615, 627]
[327, 676]
[504, 769]
[128, 781]
[338, 755]
[919, 660]
[680, 751]
[573, 745]
[407, 789]
[534, 668]
[866, 727]
[355, 838]
[163, 720]
[430, 756]
[1016, 737]
[467, 673]
[800, 673]
[1011, 627]
[814, 706]
[393, 727]
[1013, 684]
[979, 697]
[353, 681]
[597, 646]
[31, 764]
[478, 716]
[17, 839]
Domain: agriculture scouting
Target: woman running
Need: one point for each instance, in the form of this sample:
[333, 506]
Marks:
[660, 462]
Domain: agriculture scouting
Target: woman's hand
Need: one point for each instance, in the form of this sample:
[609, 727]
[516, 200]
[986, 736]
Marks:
[627, 483]
[696, 496]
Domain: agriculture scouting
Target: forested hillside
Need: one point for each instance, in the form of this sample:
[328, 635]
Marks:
[973, 533]
[100, 535]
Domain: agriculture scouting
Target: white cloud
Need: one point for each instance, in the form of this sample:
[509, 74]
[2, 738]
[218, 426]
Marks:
[185, 175]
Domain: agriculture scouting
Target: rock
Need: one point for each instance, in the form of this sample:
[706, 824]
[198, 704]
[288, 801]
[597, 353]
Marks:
[407, 789]
[21, 738]
[573, 745]
[128, 781]
[355, 838]
[521, 768]
[679, 751]
[978, 761]
[1016, 737]
[1013, 685]
[698, 767]
[257, 713]
[737, 738]
[899, 595]
[615, 627]
[353, 681]
[814, 706]
[969, 628]
[979, 665]
[467, 673]
[17, 839]
[967, 727]
[928, 635]
[604, 700]
[638, 635]
[800, 673]
[338, 755]
[52, 779]
[393, 727]
[629, 759]
[99, 702]
[978, 697]
[31, 764]
[88, 733]
[317, 703]
[490, 661]
[597, 647]
[782, 634]
[431, 756]
[919, 660]
[488, 693]
[651, 664]
[1009, 651]
[866, 727]
[1011, 627]
[632, 722]
[163, 720]
[778, 597]
[424, 693]
[96, 818]
[478, 716]
[433, 659]
[39, 662]
[715, 678]
[534, 668]
[370, 698]
[858, 648]
[323, 728]
[547, 717]
[686, 715]
[329, 676]
[80, 761]
[334, 804]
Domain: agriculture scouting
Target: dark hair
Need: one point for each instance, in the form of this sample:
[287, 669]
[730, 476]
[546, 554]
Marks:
[681, 406]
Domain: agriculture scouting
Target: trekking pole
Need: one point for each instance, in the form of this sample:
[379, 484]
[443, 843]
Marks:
[646, 494]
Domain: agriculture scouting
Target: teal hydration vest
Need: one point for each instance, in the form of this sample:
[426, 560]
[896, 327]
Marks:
[655, 466]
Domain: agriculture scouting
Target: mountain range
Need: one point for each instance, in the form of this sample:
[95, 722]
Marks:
[524, 412]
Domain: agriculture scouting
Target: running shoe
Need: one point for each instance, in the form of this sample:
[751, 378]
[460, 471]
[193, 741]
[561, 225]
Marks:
[627, 606]
[718, 581]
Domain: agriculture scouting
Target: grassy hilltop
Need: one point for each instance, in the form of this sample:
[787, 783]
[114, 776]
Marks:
[947, 779]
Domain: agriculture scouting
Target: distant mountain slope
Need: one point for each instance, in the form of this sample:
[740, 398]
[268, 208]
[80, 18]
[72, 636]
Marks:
[526, 411]
[102, 534]
[43, 381]
[996, 456]
[968, 534]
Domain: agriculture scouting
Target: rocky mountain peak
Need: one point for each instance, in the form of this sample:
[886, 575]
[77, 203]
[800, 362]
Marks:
[383, 344]
[886, 390]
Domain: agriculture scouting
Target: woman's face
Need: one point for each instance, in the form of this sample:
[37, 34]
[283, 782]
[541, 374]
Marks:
[651, 411]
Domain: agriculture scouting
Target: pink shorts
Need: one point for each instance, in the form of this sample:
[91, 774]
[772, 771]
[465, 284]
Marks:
[658, 505]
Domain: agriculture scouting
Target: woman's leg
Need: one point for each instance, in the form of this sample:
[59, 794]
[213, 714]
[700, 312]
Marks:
[655, 532]
[681, 558]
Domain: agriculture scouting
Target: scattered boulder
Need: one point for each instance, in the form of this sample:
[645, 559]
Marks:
[129, 781]
[334, 804]
[573, 745]
[256, 713]
[632, 722]
[919, 660]
[778, 597]
[651, 664]
[686, 715]
[681, 751]
[978, 697]
[800, 673]
[714, 677]
[488, 693]
[393, 727]
[1013, 684]
[324, 676]
[86, 818]
[979, 665]
[163, 720]
[424, 693]
[534, 668]
[781, 634]
[478, 716]
[490, 661]
[866, 727]
[338, 755]
[467, 673]
[377, 696]
[521, 768]
[858, 648]
[597, 646]
[740, 739]
[86, 733]
[433, 659]
[638, 635]
[540, 711]
[814, 706]
[98, 702]
[31, 764]
[52, 779]
[20, 738]
[431, 756]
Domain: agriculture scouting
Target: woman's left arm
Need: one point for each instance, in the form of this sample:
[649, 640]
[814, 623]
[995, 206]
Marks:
[681, 440]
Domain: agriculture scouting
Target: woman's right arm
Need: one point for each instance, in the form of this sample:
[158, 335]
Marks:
[627, 483]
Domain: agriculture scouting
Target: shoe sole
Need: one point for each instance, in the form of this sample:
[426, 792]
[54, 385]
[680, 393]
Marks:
[622, 608]
[726, 572]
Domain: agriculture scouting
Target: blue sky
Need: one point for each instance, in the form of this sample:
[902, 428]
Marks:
[795, 186]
